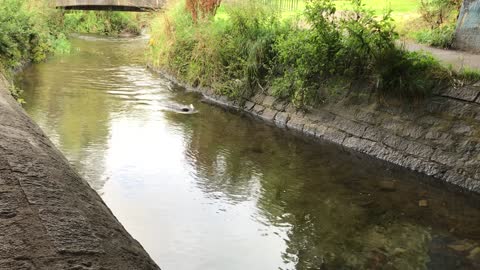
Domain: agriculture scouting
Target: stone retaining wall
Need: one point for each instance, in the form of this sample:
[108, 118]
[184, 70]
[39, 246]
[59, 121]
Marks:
[50, 218]
[440, 138]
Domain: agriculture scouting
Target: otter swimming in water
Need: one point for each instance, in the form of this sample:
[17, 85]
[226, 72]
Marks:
[180, 108]
[188, 109]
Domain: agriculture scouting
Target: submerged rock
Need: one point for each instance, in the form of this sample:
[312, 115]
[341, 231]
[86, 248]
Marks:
[461, 246]
[423, 203]
[387, 185]
[475, 254]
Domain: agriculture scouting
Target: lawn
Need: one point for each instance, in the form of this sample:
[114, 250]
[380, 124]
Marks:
[401, 9]
[379, 6]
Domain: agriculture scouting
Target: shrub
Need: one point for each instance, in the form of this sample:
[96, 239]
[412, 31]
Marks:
[440, 16]
[29, 32]
[408, 76]
[352, 47]
[251, 49]
[438, 12]
[101, 22]
[441, 37]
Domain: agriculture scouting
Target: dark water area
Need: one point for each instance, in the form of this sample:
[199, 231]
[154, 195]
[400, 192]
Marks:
[218, 190]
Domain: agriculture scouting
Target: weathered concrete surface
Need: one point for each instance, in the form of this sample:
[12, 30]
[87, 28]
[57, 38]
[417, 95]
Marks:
[50, 218]
[117, 5]
[440, 138]
[467, 34]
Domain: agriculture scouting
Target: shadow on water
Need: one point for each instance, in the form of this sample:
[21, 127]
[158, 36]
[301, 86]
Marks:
[220, 190]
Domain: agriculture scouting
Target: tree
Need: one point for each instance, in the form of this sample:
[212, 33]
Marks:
[202, 8]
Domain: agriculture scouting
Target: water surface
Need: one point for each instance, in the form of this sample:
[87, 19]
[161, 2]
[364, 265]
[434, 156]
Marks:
[217, 190]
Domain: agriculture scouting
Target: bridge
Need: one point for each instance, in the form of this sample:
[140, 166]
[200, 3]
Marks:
[114, 5]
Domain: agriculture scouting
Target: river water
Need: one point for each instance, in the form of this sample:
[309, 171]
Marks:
[218, 190]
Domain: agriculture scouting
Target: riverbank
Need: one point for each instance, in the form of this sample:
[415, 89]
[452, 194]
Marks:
[440, 139]
[50, 218]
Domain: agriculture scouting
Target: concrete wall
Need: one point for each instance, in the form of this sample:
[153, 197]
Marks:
[440, 138]
[50, 218]
[467, 35]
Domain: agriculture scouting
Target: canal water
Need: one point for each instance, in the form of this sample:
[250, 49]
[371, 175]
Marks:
[218, 190]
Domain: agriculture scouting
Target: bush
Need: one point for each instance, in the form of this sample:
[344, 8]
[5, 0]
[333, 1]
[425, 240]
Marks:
[408, 76]
[251, 49]
[29, 32]
[438, 12]
[441, 37]
[355, 48]
[101, 22]
[440, 17]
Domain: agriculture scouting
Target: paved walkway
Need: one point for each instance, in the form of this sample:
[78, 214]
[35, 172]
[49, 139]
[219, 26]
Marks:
[458, 59]
[50, 218]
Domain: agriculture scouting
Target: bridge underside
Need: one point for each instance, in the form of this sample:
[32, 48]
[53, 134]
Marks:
[111, 5]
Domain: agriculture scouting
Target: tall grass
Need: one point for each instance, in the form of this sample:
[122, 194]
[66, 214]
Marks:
[230, 55]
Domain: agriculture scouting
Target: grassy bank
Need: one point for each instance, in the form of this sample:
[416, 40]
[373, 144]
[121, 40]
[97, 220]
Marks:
[253, 48]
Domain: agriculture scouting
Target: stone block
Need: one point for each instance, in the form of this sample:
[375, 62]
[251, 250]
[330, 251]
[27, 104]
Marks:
[268, 114]
[296, 122]
[310, 129]
[258, 98]
[445, 158]
[281, 119]
[393, 125]
[367, 117]
[395, 142]
[280, 106]
[352, 142]
[359, 144]
[349, 126]
[268, 101]
[321, 130]
[319, 116]
[413, 131]
[248, 105]
[334, 135]
[419, 150]
[69, 230]
[374, 134]
[258, 109]
[466, 93]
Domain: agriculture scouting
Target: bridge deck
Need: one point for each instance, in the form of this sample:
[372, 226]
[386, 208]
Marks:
[116, 5]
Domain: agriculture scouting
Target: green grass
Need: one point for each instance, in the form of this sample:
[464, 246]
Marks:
[402, 10]
[379, 6]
